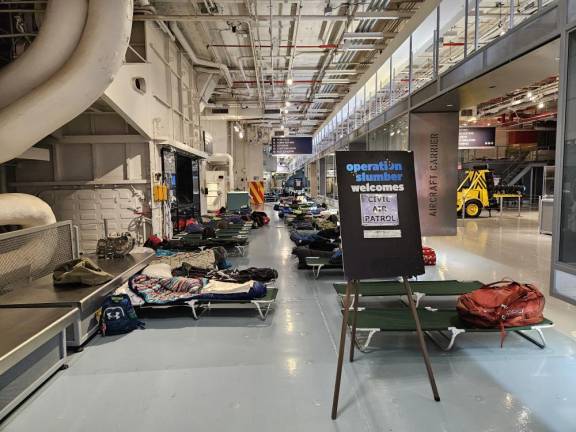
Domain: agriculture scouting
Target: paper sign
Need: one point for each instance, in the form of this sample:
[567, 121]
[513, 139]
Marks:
[379, 209]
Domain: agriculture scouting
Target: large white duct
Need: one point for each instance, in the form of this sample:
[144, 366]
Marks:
[226, 158]
[24, 210]
[59, 35]
[76, 86]
[198, 61]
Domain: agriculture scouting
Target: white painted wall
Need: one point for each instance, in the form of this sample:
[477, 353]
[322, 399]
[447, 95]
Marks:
[248, 158]
[219, 131]
[103, 163]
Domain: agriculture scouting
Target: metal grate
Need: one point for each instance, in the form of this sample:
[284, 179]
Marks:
[31, 253]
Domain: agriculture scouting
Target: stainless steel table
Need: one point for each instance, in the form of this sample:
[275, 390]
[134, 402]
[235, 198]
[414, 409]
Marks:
[32, 348]
[42, 293]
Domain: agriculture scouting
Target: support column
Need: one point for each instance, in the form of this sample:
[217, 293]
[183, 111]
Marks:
[434, 141]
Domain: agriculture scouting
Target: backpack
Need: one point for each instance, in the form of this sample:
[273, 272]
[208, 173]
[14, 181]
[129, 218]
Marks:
[117, 316]
[502, 304]
[429, 256]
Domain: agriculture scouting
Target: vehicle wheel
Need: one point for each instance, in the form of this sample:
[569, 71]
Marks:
[473, 208]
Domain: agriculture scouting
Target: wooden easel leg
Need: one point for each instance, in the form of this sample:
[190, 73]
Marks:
[356, 286]
[341, 350]
[421, 339]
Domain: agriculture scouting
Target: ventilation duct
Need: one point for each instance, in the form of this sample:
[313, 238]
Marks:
[25, 210]
[76, 86]
[198, 61]
[35, 66]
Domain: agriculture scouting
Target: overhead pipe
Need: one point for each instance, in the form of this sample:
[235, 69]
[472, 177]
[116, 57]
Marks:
[261, 95]
[376, 15]
[194, 58]
[321, 46]
[77, 85]
[271, 49]
[34, 66]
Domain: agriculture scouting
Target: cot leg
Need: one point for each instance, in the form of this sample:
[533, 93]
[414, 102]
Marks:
[364, 347]
[316, 270]
[423, 347]
[540, 344]
[417, 297]
[354, 321]
[192, 304]
[454, 332]
[263, 314]
[341, 350]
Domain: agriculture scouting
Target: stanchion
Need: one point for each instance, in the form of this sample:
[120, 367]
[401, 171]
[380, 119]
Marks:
[345, 314]
[356, 287]
[421, 339]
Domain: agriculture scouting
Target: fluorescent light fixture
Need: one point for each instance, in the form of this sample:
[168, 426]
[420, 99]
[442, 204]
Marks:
[287, 104]
[281, 127]
[286, 111]
[541, 105]
[289, 81]
[236, 127]
[529, 95]
[364, 35]
[363, 47]
[241, 134]
[341, 72]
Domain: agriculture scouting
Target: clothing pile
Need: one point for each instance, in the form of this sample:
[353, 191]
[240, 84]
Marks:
[228, 275]
[260, 218]
[80, 271]
[206, 259]
[328, 222]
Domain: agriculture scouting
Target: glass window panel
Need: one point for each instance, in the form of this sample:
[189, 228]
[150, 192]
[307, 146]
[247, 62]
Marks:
[400, 71]
[523, 9]
[371, 96]
[494, 20]
[471, 30]
[423, 52]
[451, 41]
[567, 237]
[383, 86]
[360, 106]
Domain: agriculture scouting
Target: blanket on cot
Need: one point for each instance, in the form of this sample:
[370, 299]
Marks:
[164, 291]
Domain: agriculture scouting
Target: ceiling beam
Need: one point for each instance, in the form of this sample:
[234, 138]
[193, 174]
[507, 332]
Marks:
[377, 15]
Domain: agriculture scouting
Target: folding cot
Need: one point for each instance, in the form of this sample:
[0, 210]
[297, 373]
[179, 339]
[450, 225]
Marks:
[373, 321]
[226, 240]
[420, 288]
[318, 263]
[262, 305]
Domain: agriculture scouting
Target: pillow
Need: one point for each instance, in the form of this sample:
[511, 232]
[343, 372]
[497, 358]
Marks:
[160, 270]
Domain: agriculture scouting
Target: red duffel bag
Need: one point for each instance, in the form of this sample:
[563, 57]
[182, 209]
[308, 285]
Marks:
[429, 256]
[502, 304]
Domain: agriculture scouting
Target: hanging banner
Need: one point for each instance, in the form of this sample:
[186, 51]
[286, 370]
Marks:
[476, 137]
[379, 221]
[291, 145]
[434, 141]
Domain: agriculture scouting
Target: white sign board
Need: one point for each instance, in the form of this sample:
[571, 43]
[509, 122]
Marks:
[379, 209]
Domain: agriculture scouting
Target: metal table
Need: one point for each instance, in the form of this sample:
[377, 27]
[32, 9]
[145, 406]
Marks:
[42, 293]
[32, 348]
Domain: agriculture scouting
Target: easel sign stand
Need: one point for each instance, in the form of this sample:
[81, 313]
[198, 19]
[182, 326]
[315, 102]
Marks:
[380, 230]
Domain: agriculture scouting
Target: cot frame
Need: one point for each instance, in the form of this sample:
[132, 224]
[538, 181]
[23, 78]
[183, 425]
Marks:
[453, 333]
